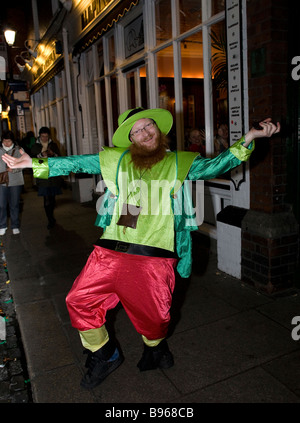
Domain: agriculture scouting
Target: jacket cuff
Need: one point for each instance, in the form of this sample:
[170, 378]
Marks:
[240, 152]
[40, 168]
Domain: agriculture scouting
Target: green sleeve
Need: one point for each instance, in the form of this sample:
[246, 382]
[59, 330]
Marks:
[55, 166]
[209, 168]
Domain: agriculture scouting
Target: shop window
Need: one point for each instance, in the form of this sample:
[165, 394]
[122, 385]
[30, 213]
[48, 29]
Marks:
[163, 21]
[111, 53]
[53, 124]
[114, 100]
[218, 6]
[143, 85]
[136, 86]
[192, 89]
[105, 141]
[89, 67]
[166, 92]
[51, 91]
[92, 117]
[131, 90]
[190, 14]
[100, 58]
[219, 83]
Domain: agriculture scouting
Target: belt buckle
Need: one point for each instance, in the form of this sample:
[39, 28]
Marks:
[121, 247]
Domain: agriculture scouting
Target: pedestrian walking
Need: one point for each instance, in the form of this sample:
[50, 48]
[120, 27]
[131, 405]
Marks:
[11, 185]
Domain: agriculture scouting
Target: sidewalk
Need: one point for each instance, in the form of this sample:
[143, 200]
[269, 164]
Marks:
[230, 343]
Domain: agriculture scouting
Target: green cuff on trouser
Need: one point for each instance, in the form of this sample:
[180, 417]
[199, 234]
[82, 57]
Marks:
[151, 342]
[94, 339]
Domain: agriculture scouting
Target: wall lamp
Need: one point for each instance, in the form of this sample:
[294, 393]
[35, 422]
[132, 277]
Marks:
[27, 57]
[31, 51]
[21, 67]
[10, 36]
[25, 62]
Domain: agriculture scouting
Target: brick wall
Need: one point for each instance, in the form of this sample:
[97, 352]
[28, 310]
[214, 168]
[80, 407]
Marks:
[269, 250]
[267, 29]
[270, 241]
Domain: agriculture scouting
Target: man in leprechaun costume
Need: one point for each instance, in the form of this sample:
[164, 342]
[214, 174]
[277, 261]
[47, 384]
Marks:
[146, 232]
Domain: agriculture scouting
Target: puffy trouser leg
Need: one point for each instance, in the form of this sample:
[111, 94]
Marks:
[144, 285]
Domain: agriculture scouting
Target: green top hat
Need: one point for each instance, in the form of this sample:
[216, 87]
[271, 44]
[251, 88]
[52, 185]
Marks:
[163, 119]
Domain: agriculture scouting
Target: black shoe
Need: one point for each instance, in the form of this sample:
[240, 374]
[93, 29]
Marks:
[156, 357]
[100, 365]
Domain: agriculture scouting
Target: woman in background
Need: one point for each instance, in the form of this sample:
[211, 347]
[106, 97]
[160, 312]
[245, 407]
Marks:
[47, 188]
[11, 185]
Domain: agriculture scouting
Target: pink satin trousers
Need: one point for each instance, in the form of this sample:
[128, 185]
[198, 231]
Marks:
[144, 285]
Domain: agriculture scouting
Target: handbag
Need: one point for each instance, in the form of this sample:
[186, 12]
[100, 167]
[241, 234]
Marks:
[4, 175]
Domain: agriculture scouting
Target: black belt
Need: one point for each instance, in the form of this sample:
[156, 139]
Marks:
[129, 248]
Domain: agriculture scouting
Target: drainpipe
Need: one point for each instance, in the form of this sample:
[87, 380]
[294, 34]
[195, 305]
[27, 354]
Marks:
[69, 92]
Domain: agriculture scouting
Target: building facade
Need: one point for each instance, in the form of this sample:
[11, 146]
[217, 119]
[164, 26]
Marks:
[209, 62]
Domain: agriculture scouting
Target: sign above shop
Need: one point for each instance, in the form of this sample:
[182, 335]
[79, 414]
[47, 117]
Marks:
[99, 17]
[134, 36]
[92, 11]
[49, 59]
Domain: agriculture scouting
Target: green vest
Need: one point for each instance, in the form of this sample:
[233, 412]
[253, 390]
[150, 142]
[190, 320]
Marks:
[159, 193]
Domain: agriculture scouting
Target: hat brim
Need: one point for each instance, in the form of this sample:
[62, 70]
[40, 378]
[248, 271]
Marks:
[163, 119]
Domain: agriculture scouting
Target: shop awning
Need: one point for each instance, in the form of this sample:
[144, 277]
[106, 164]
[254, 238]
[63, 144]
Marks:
[104, 25]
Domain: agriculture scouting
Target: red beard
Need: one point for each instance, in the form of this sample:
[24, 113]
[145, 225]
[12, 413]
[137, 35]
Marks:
[142, 158]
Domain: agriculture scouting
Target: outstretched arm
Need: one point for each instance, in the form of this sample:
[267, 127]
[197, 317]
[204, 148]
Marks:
[209, 168]
[44, 168]
[268, 128]
[22, 162]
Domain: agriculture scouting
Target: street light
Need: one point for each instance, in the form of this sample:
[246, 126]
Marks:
[10, 35]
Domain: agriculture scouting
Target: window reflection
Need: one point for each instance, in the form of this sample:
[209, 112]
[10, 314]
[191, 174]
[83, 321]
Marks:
[111, 51]
[190, 14]
[192, 87]
[104, 113]
[220, 82]
[165, 70]
[218, 6]
[100, 58]
[114, 100]
[163, 21]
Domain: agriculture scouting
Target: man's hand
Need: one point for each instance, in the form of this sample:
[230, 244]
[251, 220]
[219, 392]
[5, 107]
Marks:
[268, 128]
[18, 162]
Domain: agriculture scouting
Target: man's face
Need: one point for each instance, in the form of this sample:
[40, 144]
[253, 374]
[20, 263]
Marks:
[145, 134]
